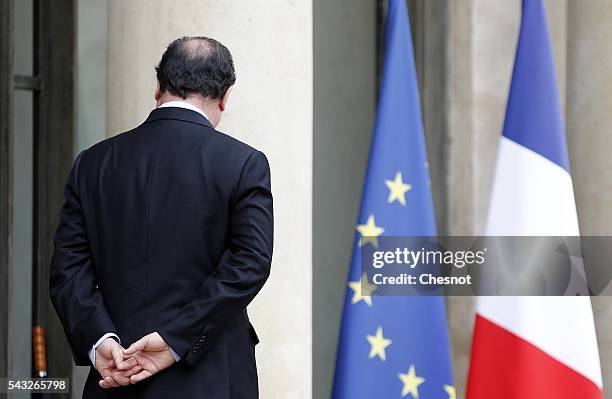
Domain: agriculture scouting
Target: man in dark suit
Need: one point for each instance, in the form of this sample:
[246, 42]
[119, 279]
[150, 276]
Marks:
[165, 238]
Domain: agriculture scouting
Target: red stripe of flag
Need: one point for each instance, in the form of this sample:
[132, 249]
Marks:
[505, 366]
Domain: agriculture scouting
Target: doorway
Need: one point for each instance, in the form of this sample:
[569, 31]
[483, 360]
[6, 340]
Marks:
[37, 47]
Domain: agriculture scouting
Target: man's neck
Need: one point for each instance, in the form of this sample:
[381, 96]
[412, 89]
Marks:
[196, 102]
[205, 107]
[183, 104]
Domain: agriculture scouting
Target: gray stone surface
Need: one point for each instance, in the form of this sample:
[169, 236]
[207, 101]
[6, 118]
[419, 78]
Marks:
[589, 128]
[344, 102]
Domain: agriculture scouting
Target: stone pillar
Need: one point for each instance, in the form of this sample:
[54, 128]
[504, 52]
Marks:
[91, 101]
[271, 109]
[481, 45]
[589, 123]
[344, 106]
[460, 174]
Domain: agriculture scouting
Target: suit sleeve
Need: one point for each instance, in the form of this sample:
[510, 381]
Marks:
[72, 282]
[240, 273]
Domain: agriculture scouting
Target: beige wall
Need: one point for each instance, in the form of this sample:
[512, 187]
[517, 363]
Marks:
[271, 109]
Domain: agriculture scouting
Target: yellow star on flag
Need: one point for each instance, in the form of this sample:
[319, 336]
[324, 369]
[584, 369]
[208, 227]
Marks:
[411, 382]
[378, 344]
[450, 391]
[362, 290]
[397, 189]
[369, 232]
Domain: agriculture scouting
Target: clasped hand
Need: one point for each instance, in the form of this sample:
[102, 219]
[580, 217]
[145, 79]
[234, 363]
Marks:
[144, 358]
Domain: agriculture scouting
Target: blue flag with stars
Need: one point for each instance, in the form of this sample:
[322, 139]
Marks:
[394, 346]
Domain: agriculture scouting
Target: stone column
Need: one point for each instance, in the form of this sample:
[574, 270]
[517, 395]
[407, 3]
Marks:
[481, 45]
[271, 109]
[589, 127]
[344, 106]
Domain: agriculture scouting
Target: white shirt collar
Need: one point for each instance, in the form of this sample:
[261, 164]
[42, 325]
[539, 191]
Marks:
[183, 104]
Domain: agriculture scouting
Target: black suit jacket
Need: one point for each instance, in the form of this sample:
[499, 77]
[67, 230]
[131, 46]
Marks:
[167, 228]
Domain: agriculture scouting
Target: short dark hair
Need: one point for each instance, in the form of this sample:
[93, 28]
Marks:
[196, 65]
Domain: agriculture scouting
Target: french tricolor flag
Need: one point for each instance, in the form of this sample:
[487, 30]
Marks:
[534, 347]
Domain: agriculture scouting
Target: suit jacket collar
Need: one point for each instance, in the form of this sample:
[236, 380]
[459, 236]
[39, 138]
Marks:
[179, 114]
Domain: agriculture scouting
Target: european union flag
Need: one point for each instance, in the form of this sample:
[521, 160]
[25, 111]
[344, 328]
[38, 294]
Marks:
[394, 347]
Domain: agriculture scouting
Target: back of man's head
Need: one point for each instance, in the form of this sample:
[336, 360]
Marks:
[196, 66]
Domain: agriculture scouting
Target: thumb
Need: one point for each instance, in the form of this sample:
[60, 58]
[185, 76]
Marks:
[117, 355]
[139, 345]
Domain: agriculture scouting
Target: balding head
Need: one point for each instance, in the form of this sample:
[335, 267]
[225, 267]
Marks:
[196, 65]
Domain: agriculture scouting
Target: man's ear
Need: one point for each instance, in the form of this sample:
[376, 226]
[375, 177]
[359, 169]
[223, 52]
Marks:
[157, 92]
[223, 101]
